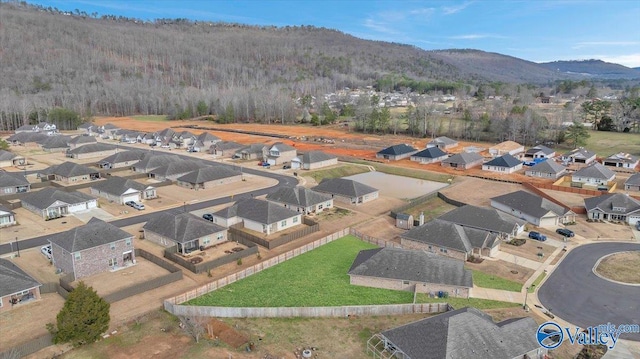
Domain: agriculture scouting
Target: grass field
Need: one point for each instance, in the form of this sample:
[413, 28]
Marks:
[458, 303]
[335, 172]
[152, 118]
[431, 209]
[536, 282]
[622, 267]
[317, 278]
[485, 280]
[407, 172]
[604, 143]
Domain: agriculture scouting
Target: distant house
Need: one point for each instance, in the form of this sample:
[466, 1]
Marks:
[50, 203]
[429, 155]
[540, 152]
[55, 143]
[184, 139]
[203, 142]
[579, 156]
[69, 172]
[504, 164]
[7, 217]
[81, 140]
[486, 219]
[43, 127]
[16, 286]
[251, 152]
[621, 160]
[595, 175]
[257, 215]
[151, 161]
[12, 183]
[442, 143]
[613, 207]
[108, 130]
[534, 209]
[122, 190]
[347, 191]
[461, 333]
[410, 270]
[396, 152]
[463, 161]
[451, 240]
[88, 128]
[92, 150]
[174, 170]
[546, 169]
[313, 160]
[279, 153]
[121, 159]
[224, 148]
[186, 231]
[507, 147]
[209, 177]
[9, 159]
[633, 183]
[92, 248]
[301, 199]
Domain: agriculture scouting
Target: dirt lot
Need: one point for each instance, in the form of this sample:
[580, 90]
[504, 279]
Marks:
[36, 265]
[476, 191]
[12, 323]
[31, 225]
[621, 267]
[529, 250]
[502, 269]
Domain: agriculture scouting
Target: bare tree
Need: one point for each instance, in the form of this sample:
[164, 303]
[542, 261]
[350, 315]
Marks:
[194, 326]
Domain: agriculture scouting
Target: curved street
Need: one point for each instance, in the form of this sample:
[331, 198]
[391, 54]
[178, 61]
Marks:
[575, 294]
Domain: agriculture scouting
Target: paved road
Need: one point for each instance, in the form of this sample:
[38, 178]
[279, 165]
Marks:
[576, 295]
[282, 181]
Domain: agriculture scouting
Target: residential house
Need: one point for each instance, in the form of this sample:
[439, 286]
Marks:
[613, 207]
[257, 215]
[251, 152]
[451, 240]
[595, 175]
[127, 136]
[186, 231]
[174, 170]
[27, 138]
[463, 160]
[165, 135]
[313, 160]
[461, 333]
[546, 169]
[92, 150]
[410, 270]
[80, 141]
[429, 155]
[7, 217]
[204, 141]
[9, 159]
[69, 172]
[486, 219]
[122, 190]
[12, 183]
[279, 153]
[507, 147]
[534, 209]
[396, 152]
[184, 139]
[347, 191]
[301, 199]
[504, 164]
[633, 183]
[209, 177]
[50, 203]
[539, 151]
[224, 148]
[43, 127]
[55, 143]
[147, 138]
[442, 143]
[16, 286]
[92, 248]
[621, 160]
[152, 160]
[88, 128]
[121, 159]
[579, 156]
[108, 130]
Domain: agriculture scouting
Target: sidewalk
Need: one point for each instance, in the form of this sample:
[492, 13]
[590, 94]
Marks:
[496, 294]
[521, 261]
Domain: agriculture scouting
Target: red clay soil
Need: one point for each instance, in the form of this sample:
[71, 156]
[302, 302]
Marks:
[231, 337]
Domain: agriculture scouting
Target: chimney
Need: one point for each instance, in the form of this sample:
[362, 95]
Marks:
[421, 219]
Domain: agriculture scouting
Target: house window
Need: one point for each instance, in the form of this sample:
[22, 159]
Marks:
[220, 236]
[295, 219]
[127, 242]
[113, 262]
[443, 250]
[0, 302]
[112, 246]
[206, 240]
[405, 282]
[8, 190]
[283, 223]
[77, 256]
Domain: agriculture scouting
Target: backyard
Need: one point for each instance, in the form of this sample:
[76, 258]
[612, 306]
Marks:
[335, 172]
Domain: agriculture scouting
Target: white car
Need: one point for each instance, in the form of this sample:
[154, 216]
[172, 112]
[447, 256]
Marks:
[46, 251]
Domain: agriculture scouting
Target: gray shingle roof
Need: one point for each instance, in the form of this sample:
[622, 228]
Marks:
[412, 265]
[596, 170]
[226, 145]
[11, 179]
[5, 209]
[539, 149]
[151, 161]
[93, 234]
[181, 228]
[443, 140]
[463, 158]
[608, 201]
[580, 153]
[177, 168]
[69, 169]
[209, 173]
[123, 156]
[316, 156]
[622, 157]
[91, 148]
[488, 219]
[25, 137]
[118, 186]
[298, 196]
[548, 166]
[7, 156]
[55, 142]
[430, 152]
[507, 161]
[282, 147]
[257, 210]
[465, 333]
[344, 187]
[254, 148]
[396, 150]
[45, 197]
[13, 279]
[86, 125]
[82, 139]
[206, 136]
[530, 204]
[634, 180]
[450, 235]
[110, 126]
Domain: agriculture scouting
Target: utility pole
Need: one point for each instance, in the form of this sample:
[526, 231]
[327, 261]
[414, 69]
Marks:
[17, 246]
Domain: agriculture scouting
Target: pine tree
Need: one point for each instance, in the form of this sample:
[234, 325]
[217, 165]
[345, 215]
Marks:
[83, 318]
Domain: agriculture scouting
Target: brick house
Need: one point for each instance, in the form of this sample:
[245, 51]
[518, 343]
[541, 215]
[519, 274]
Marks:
[224, 148]
[121, 159]
[79, 141]
[185, 231]
[491, 220]
[9, 159]
[69, 173]
[7, 217]
[51, 203]
[463, 161]
[313, 160]
[254, 151]
[396, 152]
[279, 153]
[92, 150]
[301, 199]
[12, 183]
[209, 177]
[16, 286]
[122, 190]
[347, 191]
[534, 209]
[55, 143]
[257, 215]
[174, 170]
[153, 160]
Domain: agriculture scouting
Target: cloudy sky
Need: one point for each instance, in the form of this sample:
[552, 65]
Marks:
[538, 31]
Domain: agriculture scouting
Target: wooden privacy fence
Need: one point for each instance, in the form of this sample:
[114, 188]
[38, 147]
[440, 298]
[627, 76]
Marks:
[171, 253]
[450, 201]
[236, 233]
[373, 240]
[29, 347]
[413, 202]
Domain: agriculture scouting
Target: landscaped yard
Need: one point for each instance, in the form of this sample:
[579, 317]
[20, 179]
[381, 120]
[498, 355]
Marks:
[316, 278]
[335, 172]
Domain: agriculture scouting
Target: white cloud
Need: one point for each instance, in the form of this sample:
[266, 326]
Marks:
[630, 60]
[477, 36]
[450, 10]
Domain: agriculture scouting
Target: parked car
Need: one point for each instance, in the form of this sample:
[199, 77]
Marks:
[286, 167]
[46, 251]
[565, 232]
[638, 225]
[208, 217]
[137, 205]
[537, 236]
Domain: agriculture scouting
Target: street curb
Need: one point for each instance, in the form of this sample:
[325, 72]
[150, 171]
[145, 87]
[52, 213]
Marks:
[609, 279]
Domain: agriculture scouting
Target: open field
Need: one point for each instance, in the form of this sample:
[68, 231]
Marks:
[317, 278]
[622, 267]
[604, 143]
[485, 280]
[335, 172]
[154, 118]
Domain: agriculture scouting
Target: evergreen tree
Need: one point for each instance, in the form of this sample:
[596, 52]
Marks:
[577, 134]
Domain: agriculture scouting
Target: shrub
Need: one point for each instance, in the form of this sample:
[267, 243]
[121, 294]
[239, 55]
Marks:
[517, 242]
[239, 261]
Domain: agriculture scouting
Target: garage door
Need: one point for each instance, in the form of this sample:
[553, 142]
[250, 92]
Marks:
[271, 161]
[633, 220]
[130, 197]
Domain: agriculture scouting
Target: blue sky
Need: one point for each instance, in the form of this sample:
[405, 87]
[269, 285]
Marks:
[538, 31]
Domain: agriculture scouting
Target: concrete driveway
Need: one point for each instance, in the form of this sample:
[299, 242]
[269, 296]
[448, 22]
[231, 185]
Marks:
[85, 216]
[575, 294]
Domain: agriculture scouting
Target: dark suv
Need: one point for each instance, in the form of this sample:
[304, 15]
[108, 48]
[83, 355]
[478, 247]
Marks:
[565, 232]
[208, 217]
[537, 236]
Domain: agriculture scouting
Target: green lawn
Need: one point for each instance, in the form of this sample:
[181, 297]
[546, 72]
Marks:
[432, 208]
[536, 282]
[485, 280]
[335, 172]
[458, 303]
[152, 118]
[605, 143]
[316, 278]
